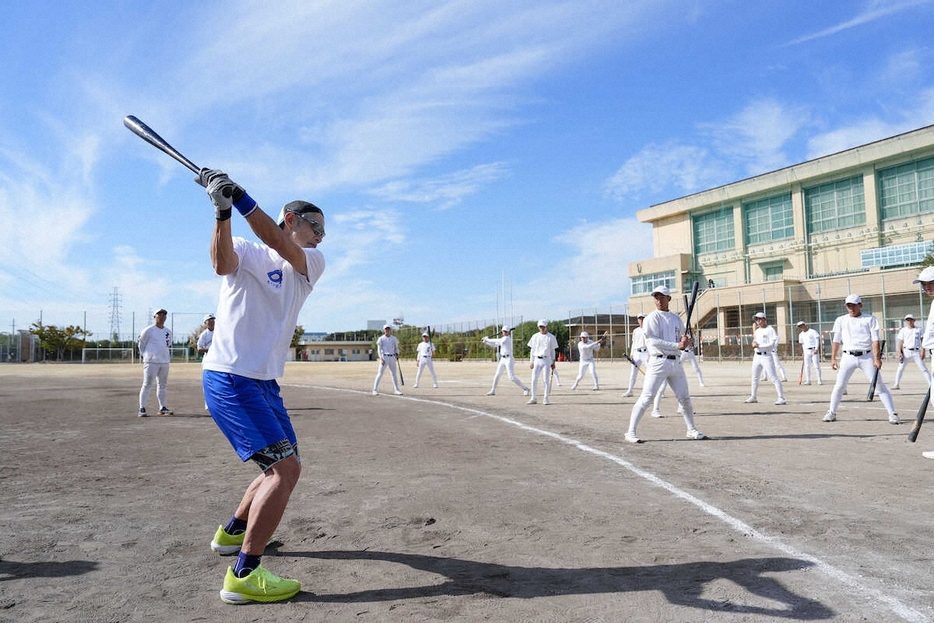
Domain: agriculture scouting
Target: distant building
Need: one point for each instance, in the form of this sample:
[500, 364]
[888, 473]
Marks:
[794, 242]
[334, 351]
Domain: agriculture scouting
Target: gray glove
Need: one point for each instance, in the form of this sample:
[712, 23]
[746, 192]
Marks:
[220, 188]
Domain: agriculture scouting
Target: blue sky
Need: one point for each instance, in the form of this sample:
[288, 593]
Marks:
[451, 144]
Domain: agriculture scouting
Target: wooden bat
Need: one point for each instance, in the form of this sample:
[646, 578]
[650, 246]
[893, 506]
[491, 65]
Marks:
[919, 419]
[690, 308]
[801, 374]
[149, 135]
[637, 366]
[875, 376]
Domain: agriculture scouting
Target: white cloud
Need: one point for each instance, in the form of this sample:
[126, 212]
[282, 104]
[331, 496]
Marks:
[447, 190]
[354, 237]
[662, 168]
[875, 10]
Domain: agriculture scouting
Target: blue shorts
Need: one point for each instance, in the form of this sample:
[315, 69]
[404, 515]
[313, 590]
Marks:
[250, 413]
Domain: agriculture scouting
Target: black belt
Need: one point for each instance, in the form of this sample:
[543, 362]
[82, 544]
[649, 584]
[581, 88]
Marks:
[763, 352]
[641, 350]
[666, 356]
[505, 355]
[810, 349]
[855, 353]
[389, 355]
[540, 356]
[910, 349]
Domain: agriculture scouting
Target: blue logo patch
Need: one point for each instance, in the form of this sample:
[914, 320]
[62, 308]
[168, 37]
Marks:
[275, 278]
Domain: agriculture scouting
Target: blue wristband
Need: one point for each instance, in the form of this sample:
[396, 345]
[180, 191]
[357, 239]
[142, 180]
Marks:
[245, 205]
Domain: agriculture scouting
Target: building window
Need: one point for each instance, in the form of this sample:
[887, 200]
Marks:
[897, 255]
[836, 205]
[714, 231]
[769, 219]
[773, 272]
[328, 351]
[907, 189]
[643, 284]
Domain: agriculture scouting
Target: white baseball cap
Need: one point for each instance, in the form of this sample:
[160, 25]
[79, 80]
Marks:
[425, 334]
[759, 315]
[506, 328]
[387, 326]
[209, 317]
[641, 316]
[661, 290]
[926, 275]
[584, 334]
[909, 317]
[853, 299]
[801, 323]
[543, 323]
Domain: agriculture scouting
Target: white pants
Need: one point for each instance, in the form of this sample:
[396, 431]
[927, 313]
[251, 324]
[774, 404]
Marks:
[660, 370]
[507, 363]
[845, 369]
[157, 373]
[779, 370]
[391, 364]
[539, 365]
[765, 363]
[689, 356]
[425, 362]
[584, 366]
[640, 358]
[911, 355]
[811, 358]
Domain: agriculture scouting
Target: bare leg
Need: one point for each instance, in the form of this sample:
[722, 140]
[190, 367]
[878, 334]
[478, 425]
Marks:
[264, 502]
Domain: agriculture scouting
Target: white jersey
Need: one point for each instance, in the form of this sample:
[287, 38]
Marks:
[856, 333]
[928, 341]
[205, 339]
[663, 331]
[638, 341]
[387, 345]
[256, 345]
[809, 340]
[587, 349]
[910, 337]
[154, 344]
[766, 338]
[543, 346]
[426, 349]
[504, 344]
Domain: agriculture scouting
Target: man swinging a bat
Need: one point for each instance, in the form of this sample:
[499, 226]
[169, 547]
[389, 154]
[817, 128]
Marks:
[665, 338]
[262, 291]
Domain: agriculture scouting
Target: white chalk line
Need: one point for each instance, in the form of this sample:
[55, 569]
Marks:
[903, 611]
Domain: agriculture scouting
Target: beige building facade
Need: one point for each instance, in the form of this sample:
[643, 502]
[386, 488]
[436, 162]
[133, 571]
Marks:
[794, 242]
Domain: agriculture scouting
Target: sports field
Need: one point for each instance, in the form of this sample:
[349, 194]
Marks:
[449, 505]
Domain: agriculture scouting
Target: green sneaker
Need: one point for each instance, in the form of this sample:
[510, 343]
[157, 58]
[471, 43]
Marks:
[260, 585]
[227, 544]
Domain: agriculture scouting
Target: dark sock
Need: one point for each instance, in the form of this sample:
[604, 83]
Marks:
[245, 564]
[235, 526]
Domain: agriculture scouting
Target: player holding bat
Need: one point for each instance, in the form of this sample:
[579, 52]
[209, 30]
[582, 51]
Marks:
[263, 288]
[586, 349]
[665, 338]
[857, 335]
[926, 281]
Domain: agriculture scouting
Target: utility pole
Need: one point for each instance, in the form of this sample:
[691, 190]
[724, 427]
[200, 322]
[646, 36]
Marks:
[115, 315]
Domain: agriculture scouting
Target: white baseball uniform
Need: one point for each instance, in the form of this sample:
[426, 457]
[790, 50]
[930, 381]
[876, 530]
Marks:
[857, 337]
[810, 350]
[688, 355]
[586, 351]
[663, 331]
[909, 349]
[205, 339]
[506, 361]
[426, 351]
[387, 348]
[766, 340]
[154, 349]
[639, 354]
[542, 347]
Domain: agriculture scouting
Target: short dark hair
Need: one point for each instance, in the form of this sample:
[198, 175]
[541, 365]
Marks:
[299, 207]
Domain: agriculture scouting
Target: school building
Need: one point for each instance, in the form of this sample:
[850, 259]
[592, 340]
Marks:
[794, 242]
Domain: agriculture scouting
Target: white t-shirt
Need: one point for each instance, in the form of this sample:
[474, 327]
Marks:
[504, 343]
[587, 349]
[910, 337]
[856, 333]
[425, 349]
[259, 303]
[154, 344]
[809, 339]
[765, 337]
[543, 345]
[205, 339]
[663, 331]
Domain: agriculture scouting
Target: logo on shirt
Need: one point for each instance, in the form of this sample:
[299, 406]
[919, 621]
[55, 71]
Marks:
[275, 278]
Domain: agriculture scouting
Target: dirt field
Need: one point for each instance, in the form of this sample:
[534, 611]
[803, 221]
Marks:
[449, 505]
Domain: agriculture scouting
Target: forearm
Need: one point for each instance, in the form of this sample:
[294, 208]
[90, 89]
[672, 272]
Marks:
[223, 257]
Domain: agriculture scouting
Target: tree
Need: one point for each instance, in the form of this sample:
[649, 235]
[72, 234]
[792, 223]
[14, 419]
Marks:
[297, 336]
[57, 340]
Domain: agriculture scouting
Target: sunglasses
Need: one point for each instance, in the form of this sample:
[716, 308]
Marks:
[315, 225]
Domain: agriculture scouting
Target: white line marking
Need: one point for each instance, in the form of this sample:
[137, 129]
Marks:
[901, 610]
